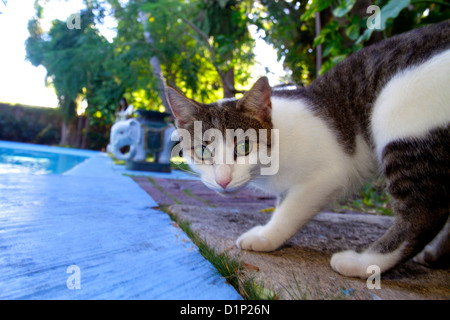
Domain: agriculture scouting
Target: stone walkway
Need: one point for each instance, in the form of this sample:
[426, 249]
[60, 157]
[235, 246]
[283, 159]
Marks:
[300, 269]
[91, 233]
[167, 192]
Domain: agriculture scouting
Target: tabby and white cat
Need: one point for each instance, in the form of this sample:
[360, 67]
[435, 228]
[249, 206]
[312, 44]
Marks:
[384, 109]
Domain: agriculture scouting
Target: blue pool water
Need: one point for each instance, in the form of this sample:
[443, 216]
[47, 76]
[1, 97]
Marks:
[36, 162]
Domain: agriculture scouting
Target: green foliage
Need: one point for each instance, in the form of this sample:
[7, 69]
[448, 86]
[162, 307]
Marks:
[183, 56]
[343, 7]
[390, 11]
[343, 33]
[203, 47]
[373, 199]
[292, 38]
[230, 268]
[314, 7]
[196, 52]
[231, 38]
[290, 27]
[82, 64]
[76, 61]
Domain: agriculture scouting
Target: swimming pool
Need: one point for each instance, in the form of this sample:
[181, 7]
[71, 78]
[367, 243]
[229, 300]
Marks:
[28, 158]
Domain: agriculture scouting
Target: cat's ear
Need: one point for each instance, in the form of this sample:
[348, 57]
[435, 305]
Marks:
[183, 109]
[256, 101]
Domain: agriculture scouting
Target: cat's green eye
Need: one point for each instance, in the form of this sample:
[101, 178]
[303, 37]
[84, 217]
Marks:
[202, 152]
[243, 148]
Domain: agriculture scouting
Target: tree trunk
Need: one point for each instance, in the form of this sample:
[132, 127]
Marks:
[319, 47]
[229, 83]
[78, 133]
[64, 133]
[227, 79]
[154, 63]
[85, 132]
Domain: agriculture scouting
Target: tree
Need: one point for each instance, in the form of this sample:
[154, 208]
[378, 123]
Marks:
[203, 48]
[79, 63]
[226, 22]
[172, 37]
[222, 48]
[56, 55]
[282, 26]
[290, 27]
[148, 33]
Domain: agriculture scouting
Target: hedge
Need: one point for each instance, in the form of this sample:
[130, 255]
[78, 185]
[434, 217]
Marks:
[23, 123]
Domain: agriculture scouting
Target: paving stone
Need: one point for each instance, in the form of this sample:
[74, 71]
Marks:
[300, 269]
[190, 192]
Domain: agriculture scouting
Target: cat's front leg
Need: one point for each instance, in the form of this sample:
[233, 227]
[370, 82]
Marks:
[297, 207]
[256, 240]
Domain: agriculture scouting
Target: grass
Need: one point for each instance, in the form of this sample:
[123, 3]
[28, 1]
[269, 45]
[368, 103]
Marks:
[157, 186]
[123, 162]
[372, 199]
[233, 270]
[178, 164]
[189, 193]
[230, 268]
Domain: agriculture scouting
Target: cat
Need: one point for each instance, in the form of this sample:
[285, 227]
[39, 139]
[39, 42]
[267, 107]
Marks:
[383, 110]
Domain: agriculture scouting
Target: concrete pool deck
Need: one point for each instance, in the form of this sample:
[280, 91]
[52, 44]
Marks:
[91, 233]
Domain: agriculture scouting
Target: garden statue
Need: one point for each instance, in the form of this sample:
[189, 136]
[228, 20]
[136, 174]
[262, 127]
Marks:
[127, 133]
[133, 139]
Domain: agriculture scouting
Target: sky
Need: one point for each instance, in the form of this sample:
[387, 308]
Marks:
[21, 82]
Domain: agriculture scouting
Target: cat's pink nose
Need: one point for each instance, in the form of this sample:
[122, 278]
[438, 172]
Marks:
[223, 182]
[223, 175]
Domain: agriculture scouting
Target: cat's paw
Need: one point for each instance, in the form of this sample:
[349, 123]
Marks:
[255, 240]
[350, 263]
[426, 257]
[430, 257]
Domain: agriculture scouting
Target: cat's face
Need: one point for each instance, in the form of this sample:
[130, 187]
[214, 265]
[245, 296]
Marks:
[225, 141]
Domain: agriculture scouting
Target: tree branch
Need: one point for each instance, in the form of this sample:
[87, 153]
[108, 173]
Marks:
[154, 62]
[205, 38]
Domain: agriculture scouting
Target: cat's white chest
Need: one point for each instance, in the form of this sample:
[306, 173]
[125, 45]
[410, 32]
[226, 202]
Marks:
[270, 184]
